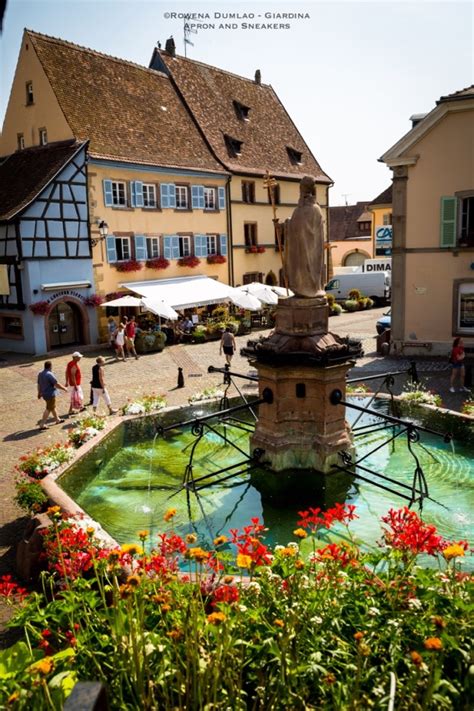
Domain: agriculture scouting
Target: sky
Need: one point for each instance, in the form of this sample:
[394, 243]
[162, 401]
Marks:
[350, 74]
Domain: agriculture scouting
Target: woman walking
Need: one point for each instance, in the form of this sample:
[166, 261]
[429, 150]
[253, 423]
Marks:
[457, 365]
[120, 343]
[98, 386]
[227, 345]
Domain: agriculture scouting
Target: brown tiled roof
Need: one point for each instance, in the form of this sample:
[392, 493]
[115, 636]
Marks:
[213, 97]
[343, 222]
[467, 93]
[25, 173]
[385, 198]
[126, 111]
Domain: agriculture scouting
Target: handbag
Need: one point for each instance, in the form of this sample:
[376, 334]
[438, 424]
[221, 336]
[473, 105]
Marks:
[76, 400]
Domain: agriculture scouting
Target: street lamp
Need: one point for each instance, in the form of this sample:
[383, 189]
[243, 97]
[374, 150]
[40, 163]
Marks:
[103, 231]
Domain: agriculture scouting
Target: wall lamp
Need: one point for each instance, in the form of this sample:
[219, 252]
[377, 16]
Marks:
[103, 232]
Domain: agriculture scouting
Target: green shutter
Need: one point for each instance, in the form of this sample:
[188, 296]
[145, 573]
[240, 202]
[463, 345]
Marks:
[448, 222]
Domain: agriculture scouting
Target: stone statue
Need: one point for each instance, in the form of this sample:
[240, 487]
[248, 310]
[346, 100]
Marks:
[304, 245]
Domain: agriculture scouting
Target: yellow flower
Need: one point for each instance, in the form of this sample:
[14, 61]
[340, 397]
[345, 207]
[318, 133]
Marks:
[143, 534]
[132, 549]
[44, 666]
[191, 538]
[133, 581]
[244, 561]
[289, 552]
[113, 556]
[216, 618]
[279, 623]
[197, 554]
[171, 513]
[53, 510]
[220, 540]
[90, 530]
[165, 608]
[300, 533]
[433, 643]
[13, 697]
[299, 564]
[453, 551]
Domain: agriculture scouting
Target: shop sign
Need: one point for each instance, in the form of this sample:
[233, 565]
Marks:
[377, 265]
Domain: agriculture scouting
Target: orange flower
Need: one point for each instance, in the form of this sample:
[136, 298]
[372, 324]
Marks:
[300, 533]
[220, 540]
[216, 618]
[359, 635]
[143, 534]
[279, 623]
[53, 510]
[171, 513]
[244, 561]
[299, 564]
[44, 666]
[175, 634]
[191, 538]
[438, 621]
[416, 658]
[132, 549]
[453, 551]
[433, 643]
[228, 579]
[197, 554]
[133, 581]
[165, 608]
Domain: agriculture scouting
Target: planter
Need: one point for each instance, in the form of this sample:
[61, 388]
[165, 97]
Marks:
[150, 342]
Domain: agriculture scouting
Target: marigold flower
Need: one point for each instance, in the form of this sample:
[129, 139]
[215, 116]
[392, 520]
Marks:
[133, 581]
[300, 533]
[43, 666]
[52, 510]
[197, 554]
[175, 634]
[132, 549]
[454, 551]
[244, 561]
[359, 635]
[288, 552]
[165, 608]
[13, 697]
[278, 623]
[220, 540]
[113, 556]
[216, 618]
[438, 621]
[416, 658]
[191, 538]
[90, 530]
[170, 513]
[433, 643]
[299, 564]
[143, 534]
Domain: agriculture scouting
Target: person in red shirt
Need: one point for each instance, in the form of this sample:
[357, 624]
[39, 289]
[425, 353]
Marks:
[73, 383]
[130, 331]
[457, 365]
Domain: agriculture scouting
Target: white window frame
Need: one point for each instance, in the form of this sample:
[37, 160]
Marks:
[210, 198]
[116, 184]
[182, 197]
[149, 195]
[184, 246]
[153, 247]
[21, 141]
[43, 137]
[387, 218]
[212, 244]
[123, 246]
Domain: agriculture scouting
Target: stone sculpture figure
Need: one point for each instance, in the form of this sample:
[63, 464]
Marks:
[304, 244]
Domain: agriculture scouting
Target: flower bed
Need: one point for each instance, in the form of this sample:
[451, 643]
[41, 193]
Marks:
[417, 394]
[216, 259]
[44, 460]
[144, 405]
[207, 394]
[86, 429]
[312, 625]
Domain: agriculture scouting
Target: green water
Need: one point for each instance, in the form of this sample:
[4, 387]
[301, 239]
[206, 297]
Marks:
[129, 487]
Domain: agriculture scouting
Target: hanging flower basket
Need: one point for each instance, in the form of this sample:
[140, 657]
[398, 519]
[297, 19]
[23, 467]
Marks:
[189, 262]
[216, 259]
[93, 300]
[40, 308]
[131, 265]
[157, 263]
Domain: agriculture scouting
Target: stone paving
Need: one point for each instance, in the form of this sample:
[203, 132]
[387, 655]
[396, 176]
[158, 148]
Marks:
[152, 373]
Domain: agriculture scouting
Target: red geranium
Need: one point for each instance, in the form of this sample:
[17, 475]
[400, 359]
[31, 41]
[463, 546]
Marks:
[216, 259]
[157, 263]
[407, 532]
[189, 262]
[93, 300]
[131, 265]
[40, 308]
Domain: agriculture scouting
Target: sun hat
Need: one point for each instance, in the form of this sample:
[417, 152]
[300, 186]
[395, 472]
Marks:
[76, 354]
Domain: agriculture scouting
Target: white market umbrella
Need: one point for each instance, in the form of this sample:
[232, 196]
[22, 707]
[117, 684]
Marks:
[127, 300]
[281, 291]
[160, 307]
[261, 291]
[244, 300]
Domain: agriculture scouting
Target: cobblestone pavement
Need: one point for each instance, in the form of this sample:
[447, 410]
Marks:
[156, 373]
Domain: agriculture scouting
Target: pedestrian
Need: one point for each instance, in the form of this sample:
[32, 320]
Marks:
[457, 365]
[73, 383]
[227, 345]
[48, 386]
[112, 330]
[98, 386]
[120, 343]
[130, 332]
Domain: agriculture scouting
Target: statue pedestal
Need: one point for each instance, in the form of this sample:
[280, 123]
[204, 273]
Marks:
[302, 317]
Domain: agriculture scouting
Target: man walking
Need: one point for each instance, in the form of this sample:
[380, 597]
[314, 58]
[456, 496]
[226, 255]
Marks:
[130, 332]
[47, 389]
[73, 383]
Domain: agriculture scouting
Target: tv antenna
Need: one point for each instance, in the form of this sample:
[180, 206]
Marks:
[345, 196]
[187, 30]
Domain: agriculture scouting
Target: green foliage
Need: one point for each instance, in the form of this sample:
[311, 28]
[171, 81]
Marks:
[335, 310]
[30, 496]
[351, 305]
[417, 394]
[220, 313]
[355, 295]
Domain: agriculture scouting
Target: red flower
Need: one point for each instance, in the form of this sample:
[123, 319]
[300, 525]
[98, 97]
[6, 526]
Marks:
[315, 519]
[225, 593]
[189, 262]
[10, 589]
[93, 300]
[131, 265]
[40, 308]
[216, 259]
[157, 263]
[407, 532]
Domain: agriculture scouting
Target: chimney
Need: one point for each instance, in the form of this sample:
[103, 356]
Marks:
[416, 118]
[170, 47]
[258, 77]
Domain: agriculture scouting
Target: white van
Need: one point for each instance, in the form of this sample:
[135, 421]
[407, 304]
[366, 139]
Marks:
[377, 285]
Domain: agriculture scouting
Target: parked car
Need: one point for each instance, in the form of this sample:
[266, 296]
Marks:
[384, 323]
[376, 285]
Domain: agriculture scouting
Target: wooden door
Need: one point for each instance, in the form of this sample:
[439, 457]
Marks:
[64, 325]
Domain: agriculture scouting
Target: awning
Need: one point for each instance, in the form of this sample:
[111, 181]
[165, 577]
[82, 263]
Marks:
[66, 285]
[183, 292]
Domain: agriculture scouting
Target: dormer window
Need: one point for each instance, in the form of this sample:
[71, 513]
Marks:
[296, 157]
[20, 140]
[234, 146]
[43, 136]
[242, 111]
[30, 99]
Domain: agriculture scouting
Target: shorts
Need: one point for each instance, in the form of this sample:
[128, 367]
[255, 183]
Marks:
[455, 366]
[228, 350]
[50, 403]
[130, 341]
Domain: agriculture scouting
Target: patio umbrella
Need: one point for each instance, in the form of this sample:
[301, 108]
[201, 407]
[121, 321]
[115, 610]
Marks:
[127, 300]
[159, 307]
[281, 291]
[261, 291]
[244, 300]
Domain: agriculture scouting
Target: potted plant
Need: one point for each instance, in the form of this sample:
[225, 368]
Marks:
[216, 259]
[93, 300]
[157, 263]
[191, 262]
[131, 265]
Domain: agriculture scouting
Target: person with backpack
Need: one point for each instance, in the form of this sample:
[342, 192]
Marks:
[457, 365]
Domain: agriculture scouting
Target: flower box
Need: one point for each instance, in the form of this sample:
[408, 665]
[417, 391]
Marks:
[131, 265]
[189, 262]
[216, 259]
[93, 300]
[157, 263]
[40, 308]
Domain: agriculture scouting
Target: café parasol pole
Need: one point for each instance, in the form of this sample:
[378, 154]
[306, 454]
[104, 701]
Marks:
[270, 183]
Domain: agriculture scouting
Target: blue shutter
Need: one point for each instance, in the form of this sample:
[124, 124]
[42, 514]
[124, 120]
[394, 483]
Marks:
[200, 245]
[172, 194]
[140, 248]
[201, 196]
[223, 240]
[165, 195]
[111, 249]
[138, 193]
[221, 192]
[448, 222]
[167, 247]
[174, 247]
[132, 193]
[195, 196]
[108, 199]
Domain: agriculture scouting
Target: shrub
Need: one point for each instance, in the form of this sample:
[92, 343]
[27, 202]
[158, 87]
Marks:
[355, 295]
[417, 394]
[351, 305]
[331, 300]
[335, 310]
[30, 496]
[220, 312]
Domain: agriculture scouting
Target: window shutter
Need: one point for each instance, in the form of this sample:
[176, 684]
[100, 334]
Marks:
[200, 245]
[108, 199]
[223, 240]
[448, 222]
[221, 198]
[174, 247]
[172, 194]
[167, 247]
[201, 196]
[140, 248]
[111, 248]
[139, 193]
[165, 195]
[195, 196]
